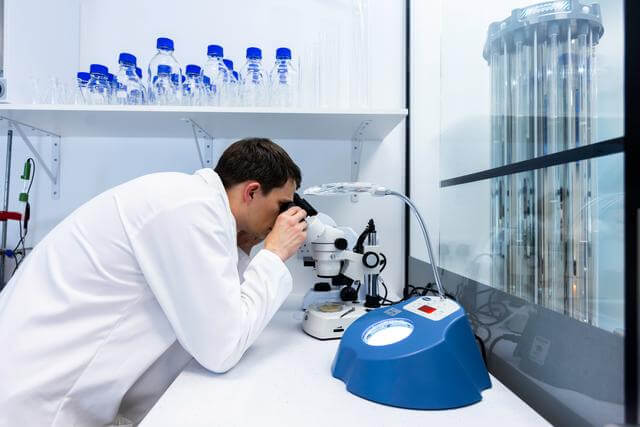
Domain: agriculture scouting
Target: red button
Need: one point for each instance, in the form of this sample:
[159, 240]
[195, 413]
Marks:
[427, 309]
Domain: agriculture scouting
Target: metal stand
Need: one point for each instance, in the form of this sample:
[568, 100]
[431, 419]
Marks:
[7, 180]
[52, 171]
[356, 152]
[371, 279]
[204, 143]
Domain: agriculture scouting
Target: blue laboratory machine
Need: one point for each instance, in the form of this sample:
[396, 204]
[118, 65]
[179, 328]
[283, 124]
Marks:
[419, 353]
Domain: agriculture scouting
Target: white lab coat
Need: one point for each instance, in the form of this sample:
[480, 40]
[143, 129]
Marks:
[108, 302]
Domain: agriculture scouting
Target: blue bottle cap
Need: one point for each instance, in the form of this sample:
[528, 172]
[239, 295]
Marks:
[139, 72]
[235, 75]
[110, 77]
[174, 78]
[215, 50]
[193, 70]
[254, 53]
[164, 43]
[84, 76]
[228, 63]
[127, 58]
[154, 79]
[98, 69]
[206, 80]
[165, 69]
[283, 53]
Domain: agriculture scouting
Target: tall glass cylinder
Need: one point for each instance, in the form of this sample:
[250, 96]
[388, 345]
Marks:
[542, 61]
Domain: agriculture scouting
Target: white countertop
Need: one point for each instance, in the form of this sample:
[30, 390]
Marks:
[285, 379]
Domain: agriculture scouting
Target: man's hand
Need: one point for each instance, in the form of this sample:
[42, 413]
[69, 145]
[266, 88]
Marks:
[246, 241]
[288, 234]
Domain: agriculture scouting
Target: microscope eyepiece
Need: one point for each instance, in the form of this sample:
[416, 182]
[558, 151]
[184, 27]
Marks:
[301, 203]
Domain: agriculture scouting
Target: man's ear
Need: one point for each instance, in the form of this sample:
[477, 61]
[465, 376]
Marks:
[250, 190]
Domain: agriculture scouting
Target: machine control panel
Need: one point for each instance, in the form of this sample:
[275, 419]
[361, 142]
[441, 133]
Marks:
[432, 308]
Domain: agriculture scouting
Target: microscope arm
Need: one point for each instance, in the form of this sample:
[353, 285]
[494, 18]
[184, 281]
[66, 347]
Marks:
[356, 265]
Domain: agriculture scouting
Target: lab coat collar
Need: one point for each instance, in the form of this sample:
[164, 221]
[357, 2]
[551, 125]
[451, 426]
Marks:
[213, 179]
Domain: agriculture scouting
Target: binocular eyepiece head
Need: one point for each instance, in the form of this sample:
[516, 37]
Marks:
[301, 203]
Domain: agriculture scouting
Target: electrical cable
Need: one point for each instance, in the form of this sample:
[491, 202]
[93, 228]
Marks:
[477, 324]
[33, 173]
[14, 254]
[383, 262]
[508, 337]
[386, 291]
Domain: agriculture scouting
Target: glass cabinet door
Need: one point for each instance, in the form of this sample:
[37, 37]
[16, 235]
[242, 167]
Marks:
[532, 196]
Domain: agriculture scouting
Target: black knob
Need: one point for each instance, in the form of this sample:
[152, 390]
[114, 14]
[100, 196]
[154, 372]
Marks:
[322, 287]
[341, 243]
[370, 259]
[348, 294]
[372, 302]
[308, 262]
[341, 280]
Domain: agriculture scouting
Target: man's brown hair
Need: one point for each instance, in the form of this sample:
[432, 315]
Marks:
[258, 159]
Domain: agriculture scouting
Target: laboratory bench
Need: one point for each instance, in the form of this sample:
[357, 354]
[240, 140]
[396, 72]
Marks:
[285, 379]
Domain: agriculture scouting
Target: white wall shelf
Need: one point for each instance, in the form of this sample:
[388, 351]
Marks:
[220, 122]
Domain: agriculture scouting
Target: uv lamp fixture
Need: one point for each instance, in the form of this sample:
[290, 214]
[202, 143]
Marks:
[418, 354]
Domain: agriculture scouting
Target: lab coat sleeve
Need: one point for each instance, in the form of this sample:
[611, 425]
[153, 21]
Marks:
[243, 262]
[189, 260]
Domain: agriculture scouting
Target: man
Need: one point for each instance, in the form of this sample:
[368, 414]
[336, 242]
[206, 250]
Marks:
[120, 295]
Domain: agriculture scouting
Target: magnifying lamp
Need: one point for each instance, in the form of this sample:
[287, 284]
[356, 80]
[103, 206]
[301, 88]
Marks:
[350, 188]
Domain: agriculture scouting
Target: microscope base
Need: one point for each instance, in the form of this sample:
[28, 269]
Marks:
[326, 321]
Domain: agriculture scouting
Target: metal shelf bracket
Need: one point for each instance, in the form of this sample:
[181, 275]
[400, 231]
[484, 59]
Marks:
[204, 143]
[356, 153]
[51, 169]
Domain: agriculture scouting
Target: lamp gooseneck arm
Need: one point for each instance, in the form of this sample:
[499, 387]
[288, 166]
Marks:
[425, 234]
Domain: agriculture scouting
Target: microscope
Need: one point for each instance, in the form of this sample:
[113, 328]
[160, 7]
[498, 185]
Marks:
[329, 312]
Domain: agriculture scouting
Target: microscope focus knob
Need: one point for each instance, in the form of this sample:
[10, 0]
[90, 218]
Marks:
[370, 259]
[340, 243]
[322, 287]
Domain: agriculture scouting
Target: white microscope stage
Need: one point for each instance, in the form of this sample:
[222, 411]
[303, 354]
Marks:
[329, 320]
